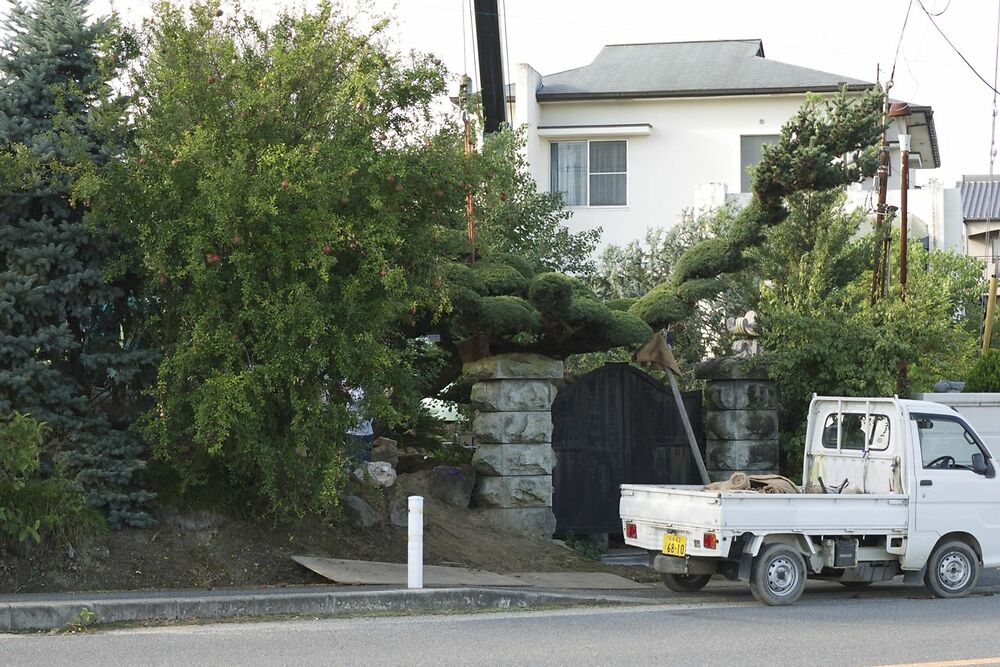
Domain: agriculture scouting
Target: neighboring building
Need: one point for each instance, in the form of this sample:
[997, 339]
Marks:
[981, 214]
[647, 131]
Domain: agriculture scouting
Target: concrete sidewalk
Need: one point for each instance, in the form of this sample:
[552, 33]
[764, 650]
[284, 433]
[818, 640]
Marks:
[59, 610]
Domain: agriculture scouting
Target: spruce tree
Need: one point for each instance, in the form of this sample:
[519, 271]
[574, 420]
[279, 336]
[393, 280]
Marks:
[67, 354]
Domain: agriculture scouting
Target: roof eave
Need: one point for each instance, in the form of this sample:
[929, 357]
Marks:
[931, 131]
[542, 96]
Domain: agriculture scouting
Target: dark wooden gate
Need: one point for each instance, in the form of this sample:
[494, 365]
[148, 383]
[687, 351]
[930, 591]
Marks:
[616, 425]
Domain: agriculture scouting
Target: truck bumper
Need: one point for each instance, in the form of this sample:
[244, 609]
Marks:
[687, 565]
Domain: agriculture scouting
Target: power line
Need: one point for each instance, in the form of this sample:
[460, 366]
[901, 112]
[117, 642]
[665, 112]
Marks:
[993, 143]
[899, 43]
[946, 6]
[955, 48]
[475, 51]
[506, 60]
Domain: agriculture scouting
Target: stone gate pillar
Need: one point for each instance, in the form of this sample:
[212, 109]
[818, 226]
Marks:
[513, 435]
[741, 417]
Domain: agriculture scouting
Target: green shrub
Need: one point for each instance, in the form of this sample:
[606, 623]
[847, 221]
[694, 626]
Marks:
[35, 508]
[51, 510]
[985, 373]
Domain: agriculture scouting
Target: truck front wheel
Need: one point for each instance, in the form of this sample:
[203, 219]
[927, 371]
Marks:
[685, 583]
[952, 570]
[778, 575]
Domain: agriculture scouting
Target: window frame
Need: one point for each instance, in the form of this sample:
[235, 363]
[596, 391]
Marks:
[956, 418]
[744, 167]
[589, 173]
[839, 445]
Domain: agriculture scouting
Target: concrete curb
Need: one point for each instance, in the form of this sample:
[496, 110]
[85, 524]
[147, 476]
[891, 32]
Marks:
[29, 614]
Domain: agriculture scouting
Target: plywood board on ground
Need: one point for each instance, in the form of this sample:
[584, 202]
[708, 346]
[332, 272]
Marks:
[394, 574]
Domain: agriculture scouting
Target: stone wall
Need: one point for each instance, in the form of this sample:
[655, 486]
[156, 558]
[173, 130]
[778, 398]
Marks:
[741, 418]
[513, 397]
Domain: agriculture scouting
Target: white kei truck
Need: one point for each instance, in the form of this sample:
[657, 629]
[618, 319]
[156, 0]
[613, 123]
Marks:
[919, 496]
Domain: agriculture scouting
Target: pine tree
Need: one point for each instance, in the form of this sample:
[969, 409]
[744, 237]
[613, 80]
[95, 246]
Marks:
[66, 355]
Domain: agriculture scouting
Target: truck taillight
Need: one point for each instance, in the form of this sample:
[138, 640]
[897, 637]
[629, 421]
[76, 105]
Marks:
[710, 540]
[630, 530]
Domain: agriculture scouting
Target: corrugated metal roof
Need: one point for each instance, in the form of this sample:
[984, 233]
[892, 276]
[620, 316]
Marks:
[980, 197]
[676, 69]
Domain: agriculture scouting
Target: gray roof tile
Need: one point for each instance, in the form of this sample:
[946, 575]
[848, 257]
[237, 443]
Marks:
[980, 197]
[674, 69]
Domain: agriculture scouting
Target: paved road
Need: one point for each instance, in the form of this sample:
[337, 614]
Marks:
[888, 625]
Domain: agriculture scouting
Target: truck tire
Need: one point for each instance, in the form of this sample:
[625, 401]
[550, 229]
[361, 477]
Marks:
[685, 583]
[952, 570]
[778, 575]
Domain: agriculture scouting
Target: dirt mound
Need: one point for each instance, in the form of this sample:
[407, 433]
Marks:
[198, 549]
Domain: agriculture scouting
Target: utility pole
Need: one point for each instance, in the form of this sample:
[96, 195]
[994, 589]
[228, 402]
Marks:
[904, 184]
[464, 97]
[881, 256]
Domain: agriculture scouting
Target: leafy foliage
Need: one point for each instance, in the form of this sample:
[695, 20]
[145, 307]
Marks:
[287, 198]
[515, 218]
[820, 333]
[808, 157]
[985, 373]
[626, 274]
[32, 508]
[68, 352]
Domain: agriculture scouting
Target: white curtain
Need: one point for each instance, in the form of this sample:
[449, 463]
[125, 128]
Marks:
[569, 171]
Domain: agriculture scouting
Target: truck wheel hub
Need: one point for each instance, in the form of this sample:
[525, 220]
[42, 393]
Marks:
[954, 571]
[781, 575]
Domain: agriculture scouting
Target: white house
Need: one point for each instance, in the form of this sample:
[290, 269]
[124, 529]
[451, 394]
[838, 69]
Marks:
[646, 131]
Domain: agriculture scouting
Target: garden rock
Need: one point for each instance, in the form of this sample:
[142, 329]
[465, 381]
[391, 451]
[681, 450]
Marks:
[452, 485]
[399, 512]
[379, 473]
[384, 449]
[361, 512]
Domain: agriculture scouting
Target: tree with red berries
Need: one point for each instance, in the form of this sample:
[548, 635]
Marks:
[288, 196]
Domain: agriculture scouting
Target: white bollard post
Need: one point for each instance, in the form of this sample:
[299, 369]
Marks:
[415, 543]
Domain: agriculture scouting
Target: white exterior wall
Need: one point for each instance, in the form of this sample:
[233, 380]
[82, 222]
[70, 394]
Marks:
[694, 142]
[690, 159]
[935, 212]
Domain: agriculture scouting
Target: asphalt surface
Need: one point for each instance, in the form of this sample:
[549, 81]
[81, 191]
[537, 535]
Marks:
[886, 625]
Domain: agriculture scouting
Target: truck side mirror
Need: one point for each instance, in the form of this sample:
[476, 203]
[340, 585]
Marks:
[979, 465]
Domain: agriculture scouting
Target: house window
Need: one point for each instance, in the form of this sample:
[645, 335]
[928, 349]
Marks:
[751, 153]
[590, 173]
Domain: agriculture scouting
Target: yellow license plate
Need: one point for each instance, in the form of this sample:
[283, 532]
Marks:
[674, 545]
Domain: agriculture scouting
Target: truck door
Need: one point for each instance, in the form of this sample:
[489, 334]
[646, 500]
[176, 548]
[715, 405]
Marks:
[958, 488]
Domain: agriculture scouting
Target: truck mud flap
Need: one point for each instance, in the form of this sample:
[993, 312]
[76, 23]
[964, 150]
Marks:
[746, 560]
[686, 565]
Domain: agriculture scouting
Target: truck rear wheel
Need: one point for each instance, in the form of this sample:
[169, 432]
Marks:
[952, 570]
[685, 583]
[778, 575]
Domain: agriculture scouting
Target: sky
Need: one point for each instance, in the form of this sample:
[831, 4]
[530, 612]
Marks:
[854, 38]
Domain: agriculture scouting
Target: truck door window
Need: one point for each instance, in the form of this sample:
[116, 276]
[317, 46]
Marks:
[856, 429]
[945, 443]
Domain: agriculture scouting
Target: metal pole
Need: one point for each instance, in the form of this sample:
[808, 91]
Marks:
[415, 542]
[991, 302]
[882, 257]
[687, 429]
[904, 184]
